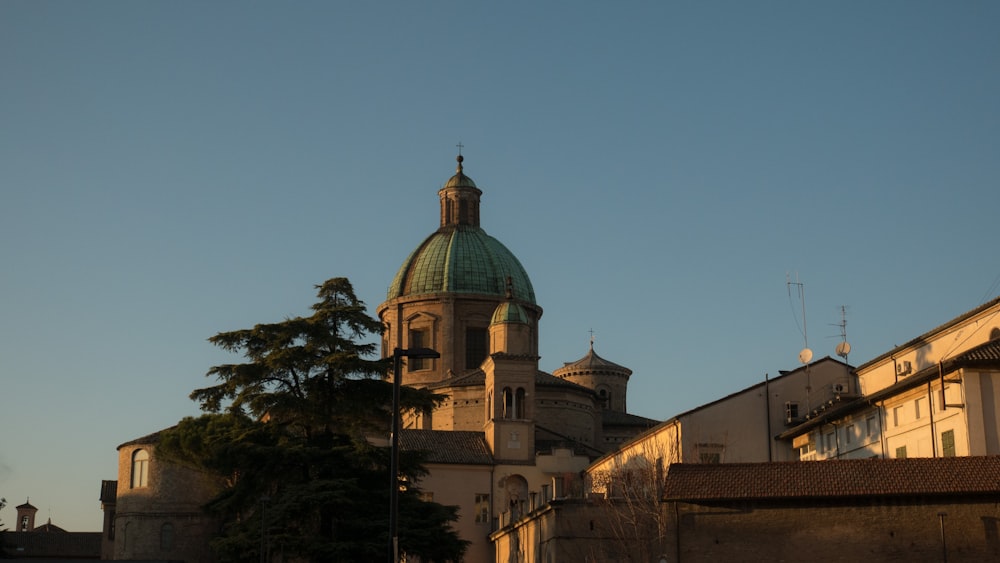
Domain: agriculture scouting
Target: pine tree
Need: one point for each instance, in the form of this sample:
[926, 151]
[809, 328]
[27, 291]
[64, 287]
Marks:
[288, 429]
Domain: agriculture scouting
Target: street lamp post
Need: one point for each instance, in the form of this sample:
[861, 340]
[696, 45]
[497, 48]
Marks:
[944, 545]
[397, 374]
[263, 530]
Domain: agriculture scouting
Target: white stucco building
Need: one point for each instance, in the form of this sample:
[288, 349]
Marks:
[935, 396]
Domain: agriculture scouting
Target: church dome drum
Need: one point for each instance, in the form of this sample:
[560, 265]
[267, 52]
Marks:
[445, 294]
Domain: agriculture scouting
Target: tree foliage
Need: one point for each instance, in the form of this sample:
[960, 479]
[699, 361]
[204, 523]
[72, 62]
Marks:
[288, 430]
[3, 548]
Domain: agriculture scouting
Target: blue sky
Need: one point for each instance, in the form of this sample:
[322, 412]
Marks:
[170, 170]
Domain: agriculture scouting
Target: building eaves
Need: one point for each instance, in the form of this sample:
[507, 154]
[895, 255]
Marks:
[546, 440]
[769, 381]
[151, 439]
[925, 337]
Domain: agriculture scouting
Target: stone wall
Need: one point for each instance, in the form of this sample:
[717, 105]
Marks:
[880, 530]
[163, 519]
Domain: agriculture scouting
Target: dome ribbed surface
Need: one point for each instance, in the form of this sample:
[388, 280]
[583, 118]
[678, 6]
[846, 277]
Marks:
[461, 260]
[460, 180]
[509, 312]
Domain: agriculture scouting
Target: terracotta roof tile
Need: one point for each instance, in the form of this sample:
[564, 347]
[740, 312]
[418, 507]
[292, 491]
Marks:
[444, 446]
[983, 353]
[833, 479]
[617, 418]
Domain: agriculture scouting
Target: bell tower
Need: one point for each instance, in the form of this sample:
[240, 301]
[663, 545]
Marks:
[26, 517]
[510, 371]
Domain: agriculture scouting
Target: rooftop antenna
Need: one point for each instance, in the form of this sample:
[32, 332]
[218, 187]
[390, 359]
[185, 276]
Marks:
[843, 348]
[806, 354]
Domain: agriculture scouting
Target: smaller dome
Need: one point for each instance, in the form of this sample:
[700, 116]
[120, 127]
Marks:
[460, 180]
[509, 312]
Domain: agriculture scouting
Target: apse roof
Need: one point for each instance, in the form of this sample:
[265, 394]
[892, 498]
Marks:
[591, 362]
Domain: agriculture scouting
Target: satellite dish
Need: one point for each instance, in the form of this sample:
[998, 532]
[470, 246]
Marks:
[843, 349]
[805, 355]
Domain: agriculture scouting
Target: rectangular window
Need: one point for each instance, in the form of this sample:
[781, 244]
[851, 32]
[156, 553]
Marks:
[427, 496]
[709, 457]
[870, 426]
[791, 411]
[418, 339]
[140, 468]
[828, 442]
[897, 416]
[948, 443]
[477, 346]
[482, 508]
[917, 408]
[901, 452]
[849, 435]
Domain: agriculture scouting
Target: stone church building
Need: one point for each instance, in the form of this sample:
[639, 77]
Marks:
[509, 437]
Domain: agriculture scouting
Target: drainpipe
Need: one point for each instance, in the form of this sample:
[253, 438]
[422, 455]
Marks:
[944, 403]
[493, 469]
[930, 407]
[881, 427]
[677, 532]
[767, 413]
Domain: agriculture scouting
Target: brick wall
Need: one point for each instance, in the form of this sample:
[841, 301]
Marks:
[880, 530]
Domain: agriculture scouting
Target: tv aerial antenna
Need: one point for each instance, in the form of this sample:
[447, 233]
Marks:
[843, 348]
[805, 356]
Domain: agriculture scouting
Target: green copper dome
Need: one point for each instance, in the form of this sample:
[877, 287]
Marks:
[460, 257]
[461, 260]
[509, 312]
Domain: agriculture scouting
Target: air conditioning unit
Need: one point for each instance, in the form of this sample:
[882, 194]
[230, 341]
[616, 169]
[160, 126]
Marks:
[838, 388]
[904, 368]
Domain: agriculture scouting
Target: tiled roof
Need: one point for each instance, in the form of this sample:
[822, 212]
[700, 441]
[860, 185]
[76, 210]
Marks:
[591, 362]
[443, 446]
[989, 352]
[546, 440]
[617, 418]
[833, 479]
[548, 380]
[472, 378]
[109, 491]
[153, 438]
[49, 527]
[928, 336]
